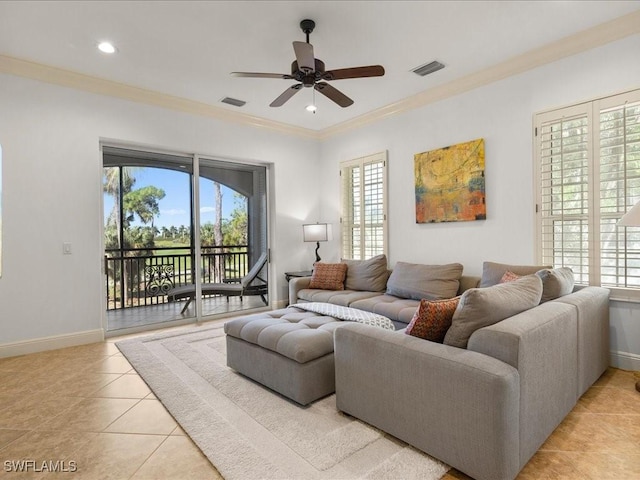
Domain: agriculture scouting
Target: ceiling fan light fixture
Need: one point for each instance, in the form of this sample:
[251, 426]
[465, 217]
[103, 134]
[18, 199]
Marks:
[312, 107]
[106, 47]
[428, 68]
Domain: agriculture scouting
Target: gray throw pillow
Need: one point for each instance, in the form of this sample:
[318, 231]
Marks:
[481, 307]
[367, 275]
[492, 272]
[556, 283]
[417, 281]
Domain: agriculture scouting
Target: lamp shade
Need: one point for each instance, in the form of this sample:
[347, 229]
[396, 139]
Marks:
[631, 218]
[315, 232]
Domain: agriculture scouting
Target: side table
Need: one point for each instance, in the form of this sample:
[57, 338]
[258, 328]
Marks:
[303, 273]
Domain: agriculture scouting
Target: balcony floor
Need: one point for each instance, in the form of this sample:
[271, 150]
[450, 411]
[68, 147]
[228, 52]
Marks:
[150, 315]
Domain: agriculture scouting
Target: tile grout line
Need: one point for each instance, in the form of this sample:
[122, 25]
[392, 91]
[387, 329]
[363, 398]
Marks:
[148, 457]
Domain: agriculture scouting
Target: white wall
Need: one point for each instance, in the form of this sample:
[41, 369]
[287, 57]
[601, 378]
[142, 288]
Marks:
[502, 114]
[52, 194]
[52, 184]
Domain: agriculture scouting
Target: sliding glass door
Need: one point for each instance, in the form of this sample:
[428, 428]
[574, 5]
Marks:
[159, 267]
[233, 236]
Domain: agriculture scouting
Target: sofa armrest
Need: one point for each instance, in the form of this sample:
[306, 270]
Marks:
[542, 344]
[592, 306]
[295, 285]
[459, 406]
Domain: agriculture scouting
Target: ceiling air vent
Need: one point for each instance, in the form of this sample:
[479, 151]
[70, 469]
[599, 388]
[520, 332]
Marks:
[428, 68]
[233, 101]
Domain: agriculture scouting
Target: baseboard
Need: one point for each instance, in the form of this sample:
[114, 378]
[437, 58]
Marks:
[51, 343]
[625, 361]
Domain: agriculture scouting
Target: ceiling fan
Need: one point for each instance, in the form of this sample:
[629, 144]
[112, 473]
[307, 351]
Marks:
[310, 72]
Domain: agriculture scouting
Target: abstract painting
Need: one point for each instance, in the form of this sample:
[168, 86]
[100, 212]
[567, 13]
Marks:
[450, 183]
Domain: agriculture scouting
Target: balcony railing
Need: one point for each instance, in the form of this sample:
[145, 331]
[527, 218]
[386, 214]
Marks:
[138, 277]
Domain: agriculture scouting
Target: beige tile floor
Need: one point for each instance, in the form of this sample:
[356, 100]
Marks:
[87, 405]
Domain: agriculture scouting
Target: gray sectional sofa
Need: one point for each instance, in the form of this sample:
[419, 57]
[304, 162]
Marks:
[370, 286]
[484, 409]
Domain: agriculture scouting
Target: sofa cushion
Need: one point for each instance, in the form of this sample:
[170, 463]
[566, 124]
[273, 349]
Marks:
[431, 282]
[492, 272]
[328, 276]
[556, 283]
[481, 307]
[337, 297]
[432, 319]
[397, 309]
[370, 275]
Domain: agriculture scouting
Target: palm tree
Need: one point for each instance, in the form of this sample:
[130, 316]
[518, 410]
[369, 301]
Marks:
[128, 204]
[111, 185]
[218, 263]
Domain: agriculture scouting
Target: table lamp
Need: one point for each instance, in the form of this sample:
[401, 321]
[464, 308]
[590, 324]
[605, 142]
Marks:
[315, 232]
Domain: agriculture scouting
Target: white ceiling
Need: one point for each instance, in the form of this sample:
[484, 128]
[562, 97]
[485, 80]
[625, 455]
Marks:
[188, 49]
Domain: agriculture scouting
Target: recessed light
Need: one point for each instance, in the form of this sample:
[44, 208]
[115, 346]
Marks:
[106, 47]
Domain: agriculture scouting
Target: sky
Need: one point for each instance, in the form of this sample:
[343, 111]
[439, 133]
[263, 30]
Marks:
[174, 207]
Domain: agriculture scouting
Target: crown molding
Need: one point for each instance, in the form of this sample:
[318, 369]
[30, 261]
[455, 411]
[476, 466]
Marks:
[602, 34]
[87, 83]
[588, 39]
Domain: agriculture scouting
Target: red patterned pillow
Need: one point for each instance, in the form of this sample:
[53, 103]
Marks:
[432, 319]
[509, 277]
[328, 276]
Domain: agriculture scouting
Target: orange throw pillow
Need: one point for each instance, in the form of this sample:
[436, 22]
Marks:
[328, 276]
[432, 319]
[509, 277]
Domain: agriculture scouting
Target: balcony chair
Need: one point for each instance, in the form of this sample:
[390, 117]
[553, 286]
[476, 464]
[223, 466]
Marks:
[250, 284]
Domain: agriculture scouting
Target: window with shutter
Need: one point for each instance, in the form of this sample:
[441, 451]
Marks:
[563, 161]
[619, 185]
[364, 215]
[588, 176]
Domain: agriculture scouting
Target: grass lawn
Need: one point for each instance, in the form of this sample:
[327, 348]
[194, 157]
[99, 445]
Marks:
[176, 248]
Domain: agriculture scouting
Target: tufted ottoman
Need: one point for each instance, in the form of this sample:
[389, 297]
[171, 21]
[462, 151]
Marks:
[287, 350]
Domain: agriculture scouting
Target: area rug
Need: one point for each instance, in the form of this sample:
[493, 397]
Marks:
[249, 432]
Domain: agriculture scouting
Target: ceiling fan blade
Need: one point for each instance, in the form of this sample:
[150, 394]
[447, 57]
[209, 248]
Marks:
[304, 56]
[261, 75]
[333, 94]
[355, 72]
[286, 95]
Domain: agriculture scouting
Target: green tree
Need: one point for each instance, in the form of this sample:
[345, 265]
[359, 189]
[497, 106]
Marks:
[217, 227]
[111, 186]
[143, 203]
[206, 234]
[235, 228]
[183, 234]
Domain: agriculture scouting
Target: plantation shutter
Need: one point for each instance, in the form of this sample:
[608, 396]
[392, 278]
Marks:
[619, 159]
[588, 174]
[363, 218]
[563, 146]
